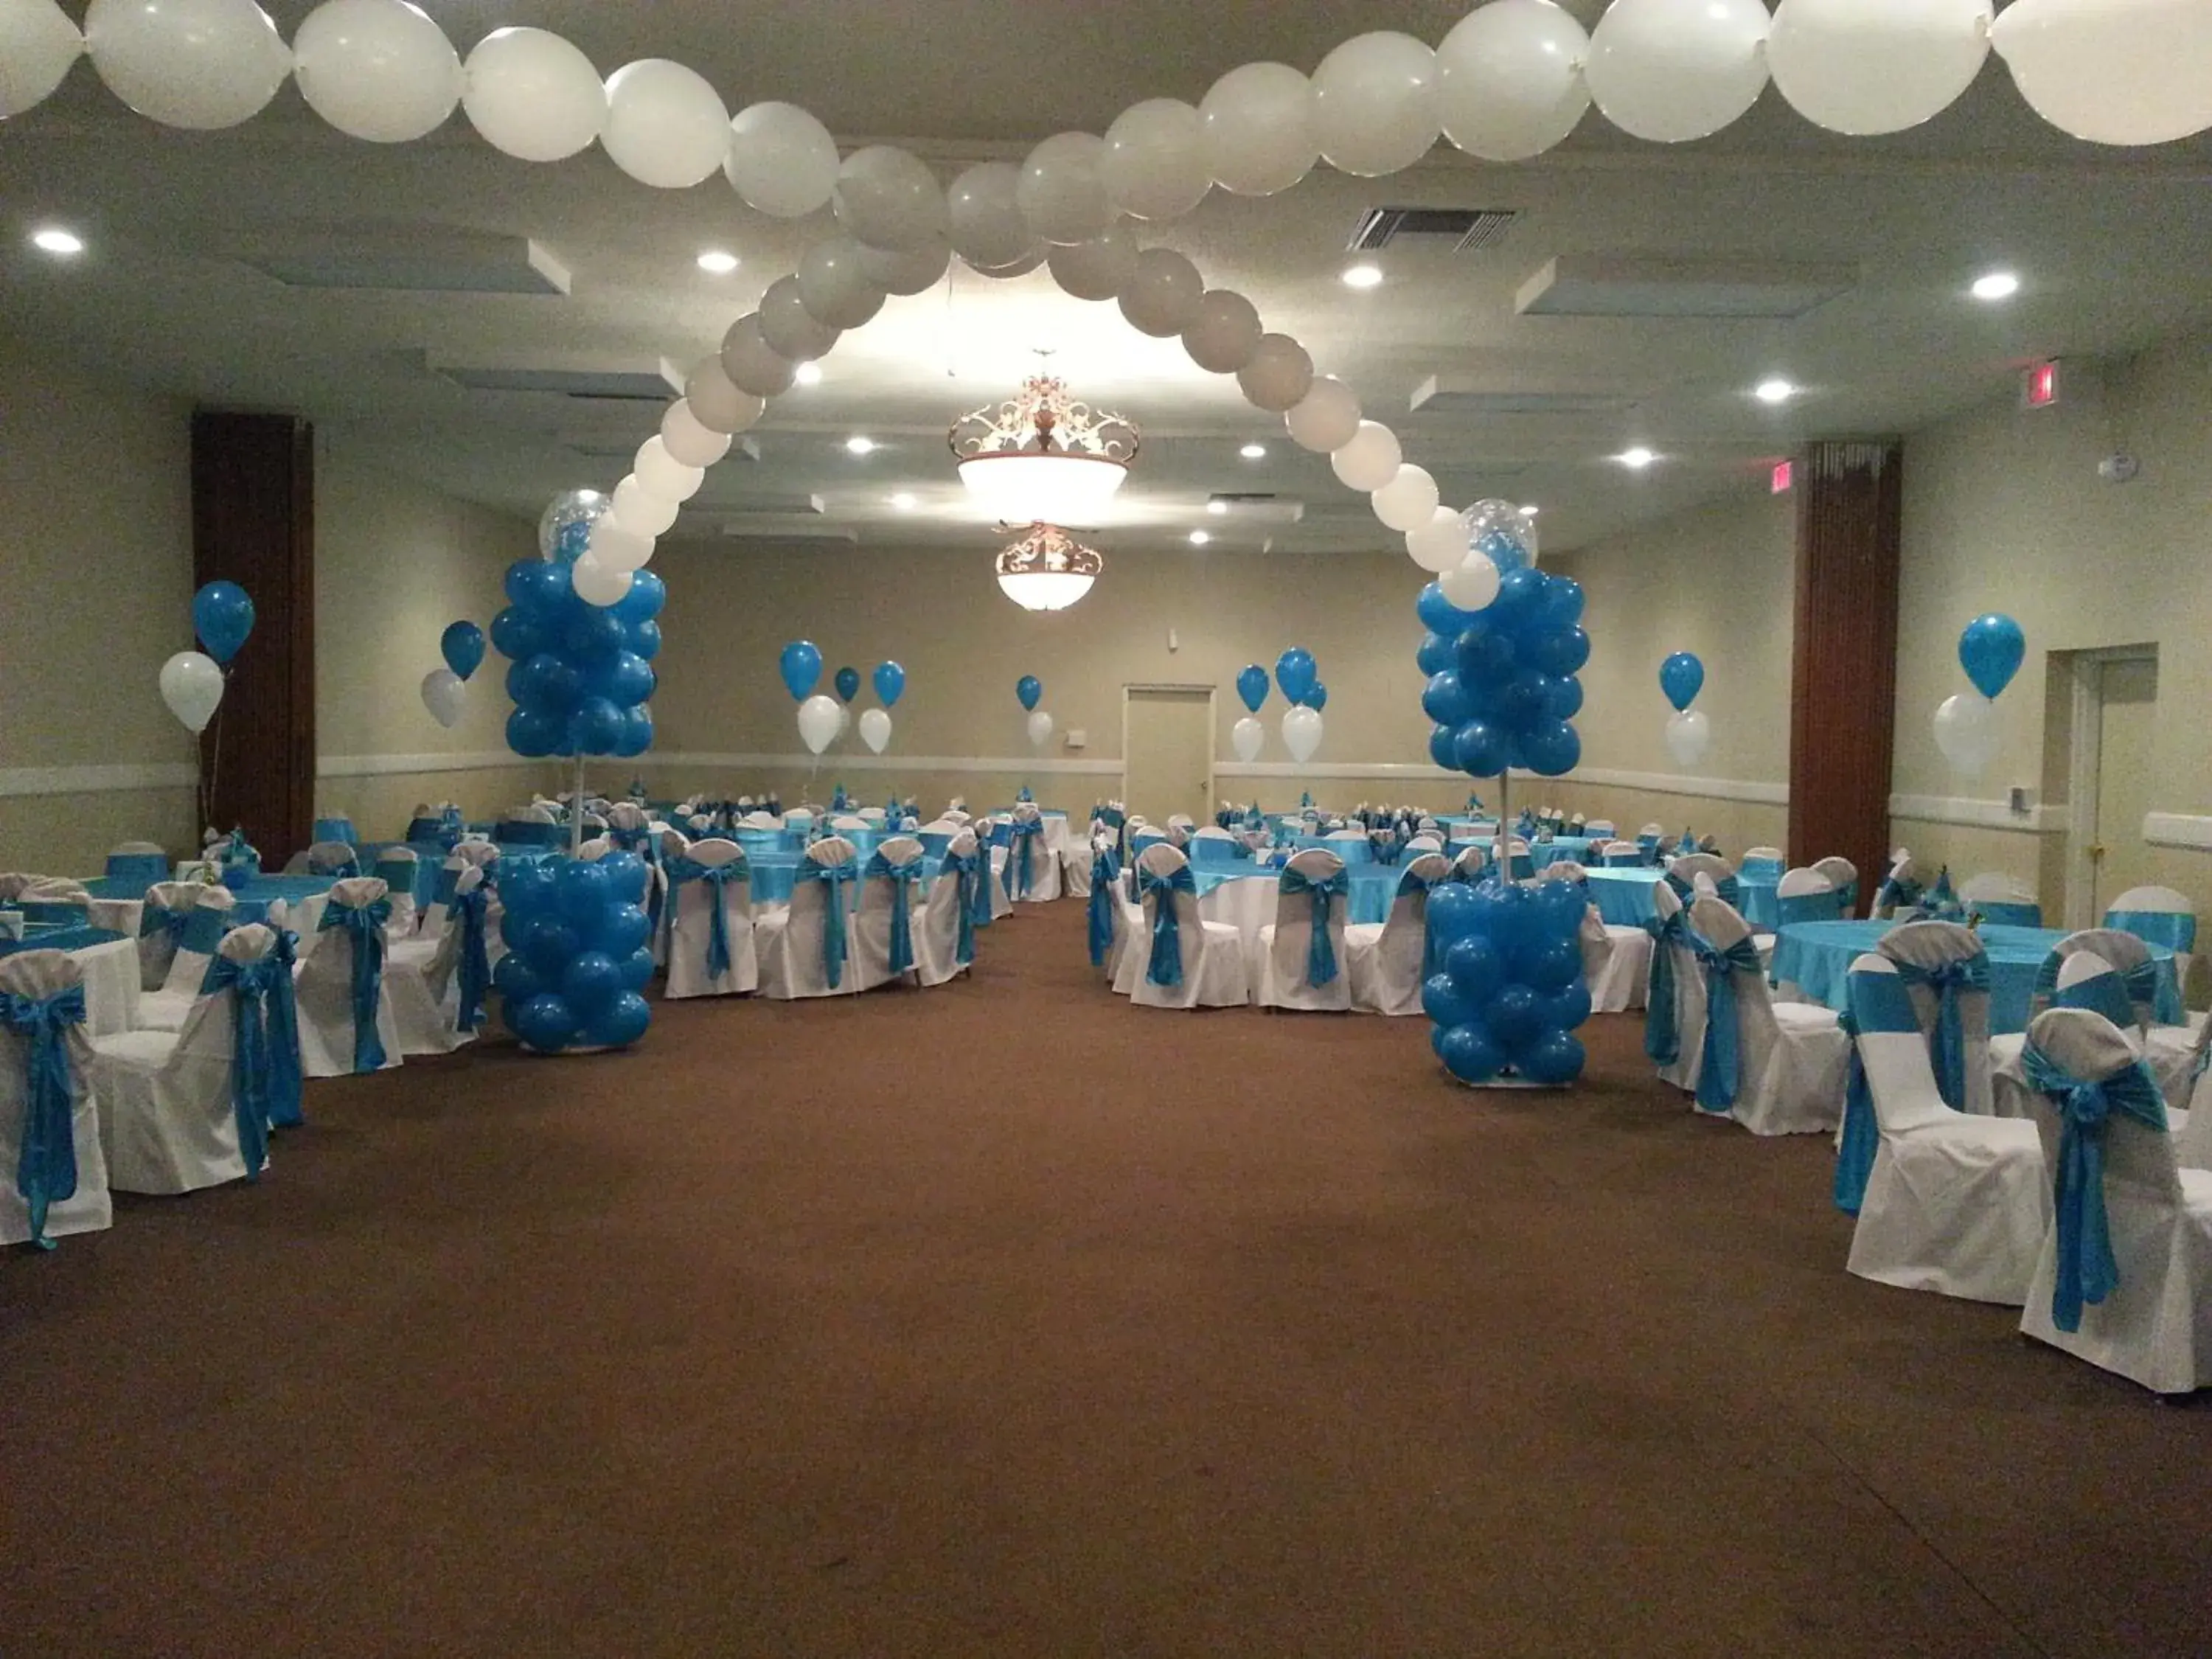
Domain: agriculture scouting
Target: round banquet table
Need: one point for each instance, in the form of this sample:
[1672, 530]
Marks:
[774, 874]
[1816, 958]
[114, 905]
[1623, 897]
[1245, 897]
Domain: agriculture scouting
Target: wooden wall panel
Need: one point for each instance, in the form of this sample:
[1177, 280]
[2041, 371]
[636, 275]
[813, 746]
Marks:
[254, 523]
[1842, 698]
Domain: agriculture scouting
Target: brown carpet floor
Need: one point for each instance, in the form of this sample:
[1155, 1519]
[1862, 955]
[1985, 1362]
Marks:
[1007, 1319]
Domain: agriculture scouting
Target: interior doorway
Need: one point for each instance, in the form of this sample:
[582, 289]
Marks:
[1167, 751]
[2110, 777]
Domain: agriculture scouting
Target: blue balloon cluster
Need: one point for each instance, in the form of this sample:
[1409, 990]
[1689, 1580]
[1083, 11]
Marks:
[1511, 991]
[1503, 683]
[581, 674]
[579, 952]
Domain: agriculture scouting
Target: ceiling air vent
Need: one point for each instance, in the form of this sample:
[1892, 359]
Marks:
[1464, 228]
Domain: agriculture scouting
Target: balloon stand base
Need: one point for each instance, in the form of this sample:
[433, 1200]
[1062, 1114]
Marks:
[578, 1048]
[1511, 1083]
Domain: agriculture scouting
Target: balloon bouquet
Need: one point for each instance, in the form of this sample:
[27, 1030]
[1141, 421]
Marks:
[1301, 724]
[1991, 650]
[1247, 737]
[1502, 651]
[821, 719]
[1029, 691]
[193, 682]
[578, 940]
[462, 645]
[1689, 733]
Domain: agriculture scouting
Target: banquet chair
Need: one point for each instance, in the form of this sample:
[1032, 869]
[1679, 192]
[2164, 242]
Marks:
[435, 981]
[849, 824]
[945, 931]
[1802, 895]
[804, 947]
[1683, 871]
[1844, 875]
[588, 852]
[1470, 861]
[1949, 1202]
[1350, 846]
[1298, 959]
[346, 1023]
[59, 900]
[1182, 821]
[1616, 956]
[137, 863]
[1598, 829]
[1620, 855]
[1651, 838]
[395, 868]
[712, 944]
[1032, 870]
[2005, 900]
[2123, 1279]
[212, 916]
[2169, 1048]
[1898, 899]
[1776, 1068]
[1212, 845]
[1675, 992]
[884, 948]
[1763, 861]
[53, 1169]
[1173, 958]
[163, 917]
[1388, 962]
[871, 818]
[193, 1107]
[330, 825]
[332, 858]
[1075, 862]
[2160, 916]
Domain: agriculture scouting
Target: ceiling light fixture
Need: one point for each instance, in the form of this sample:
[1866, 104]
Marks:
[807, 374]
[56, 240]
[1045, 568]
[1997, 285]
[1042, 457]
[1219, 509]
[1362, 277]
[1636, 459]
[1776, 390]
[1253, 452]
[1199, 538]
[858, 445]
[904, 501]
[716, 262]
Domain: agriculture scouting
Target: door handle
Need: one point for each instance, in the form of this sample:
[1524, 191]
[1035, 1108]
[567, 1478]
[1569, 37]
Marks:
[2097, 854]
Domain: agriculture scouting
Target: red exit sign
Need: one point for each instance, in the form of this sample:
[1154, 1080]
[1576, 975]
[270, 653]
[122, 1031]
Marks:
[2040, 388]
[1785, 475]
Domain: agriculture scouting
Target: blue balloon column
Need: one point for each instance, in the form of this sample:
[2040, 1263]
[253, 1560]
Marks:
[581, 674]
[1509, 690]
[1510, 993]
[579, 952]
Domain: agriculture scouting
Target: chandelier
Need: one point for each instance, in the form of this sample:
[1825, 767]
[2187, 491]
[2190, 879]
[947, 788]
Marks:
[1041, 458]
[1046, 568]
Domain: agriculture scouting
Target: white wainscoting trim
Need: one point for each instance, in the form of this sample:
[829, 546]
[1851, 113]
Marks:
[97, 780]
[1420, 771]
[2178, 829]
[865, 762]
[1671, 783]
[2043, 820]
[385, 766]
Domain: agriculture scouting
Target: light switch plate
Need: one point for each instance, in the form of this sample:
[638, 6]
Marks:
[1077, 737]
[2020, 800]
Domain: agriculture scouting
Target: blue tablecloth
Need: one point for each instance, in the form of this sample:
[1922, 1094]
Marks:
[1373, 885]
[1816, 957]
[1574, 847]
[774, 874]
[1623, 897]
[252, 898]
[70, 937]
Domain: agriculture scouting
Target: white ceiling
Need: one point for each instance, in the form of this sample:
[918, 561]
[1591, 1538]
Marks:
[2109, 245]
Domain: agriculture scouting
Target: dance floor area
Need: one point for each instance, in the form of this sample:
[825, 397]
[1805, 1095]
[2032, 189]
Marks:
[1006, 1318]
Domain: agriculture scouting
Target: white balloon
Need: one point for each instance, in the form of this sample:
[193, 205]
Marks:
[666, 126]
[1278, 375]
[199, 64]
[1098, 268]
[191, 684]
[1224, 333]
[1966, 731]
[844, 718]
[833, 288]
[818, 722]
[663, 474]
[782, 161]
[443, 694]
[690, 440]
[875, 730]
[1154, 161]
[638, 510]
[1689, 734]
[751, 363]
[904, 270]
[1368, 460]
[1326, 419]
[1302, 731]
[1509, 79]
[887, 197]
[1408, 500]
[1161, 295]
[988, 227]
[788, 328]
[1062, 193]
[1471, 584]
[1255, 128]
[1039, 728]
[617, 545]
[1675, 70]
[2111, 71]
[38, 43]
[1248, 738]
[1439, 543]
[533, 96]
[597, 584]
[1021, 267]
[715, 402]
[1871, 66]
[379, 69]
[1375, 103]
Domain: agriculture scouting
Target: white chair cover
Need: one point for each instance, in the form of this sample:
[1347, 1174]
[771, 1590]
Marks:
[1044, 883]
[327, 1046]
[165, 1010]
[1282, 954]
[1844, 875]
[793, 942]
[936, 925]
[395, 867]
[1210, 954]
[874, 913]
[420, 981]
[1385, 960]
[37, 976]
[1689, 990]
[1791, 1058]
[1925, 949]
[691, 933]
[166, 913]
[2169, 1050]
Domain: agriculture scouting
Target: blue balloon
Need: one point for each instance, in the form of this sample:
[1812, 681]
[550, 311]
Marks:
[532, 734]
[1252, 686]
[625, 678]
[621, 1022]
[1563, 697]
[1554, 964]
[544, 1021]
[591, 981]
[1439, 612]
[1555, 1058]
[1445, 701]
[1483, 652]
[1563, 602]
[800, 665]
[848, 681]
[1476, 968]
[889, 681]
[625, 928]
[1028, 689]
[1561, 906]
[1441, 1000]
[591, 634]
[526, 888]
[1565, 1010]
[514, 978]
[1990, 651]
[1551, 748]
[1469, 1053]
[1436, 653]
[1515, 1017]
[648, 594]
[1521, 700]
[1442, 748]
[546, 683]
[580, 885]
[1452, 915]
[636, 968]
[637, 731]
[1519, 593]
[643, 638]
[1481, 749]
[1681, 677]
[536, 585]
[596, 727]
[626, 883]
[549, 942]
[1560, 650]
[1294, 673]
[462, 645]
[517, 633]
[222, 616]
[1318, 699]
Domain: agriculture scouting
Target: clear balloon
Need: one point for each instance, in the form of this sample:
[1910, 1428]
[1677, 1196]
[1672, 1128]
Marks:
[1163, 293]
[1153, 162]
[987, 228]
[1326, 419]
[876, 730]
[782, 161]
[818, 721]
[1689, 734]
[191, 686]
[1671, 70]
[379, 69]
[1098, 268]
[1224, 333]
[751, 363]
[1509, 79]
[1255, 128]
[1248, 738]
[833, 288]
[1369, 460]
[887, 197]
[1302, 732]
[2129, 73]
[1967, 731]
[1375, 108]
[532, 95]
[566, 523]
[38, 44]
[688, 438]
[1408, 500]
[790, 330]
[1871, 66]
[1039, 725]
[443, 694]
[715, 403]
[1278, 375]
[196, 64]
[1061, 193]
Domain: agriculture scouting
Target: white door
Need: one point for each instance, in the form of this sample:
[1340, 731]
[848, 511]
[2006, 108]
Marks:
[1167, 751]
[2127, 704]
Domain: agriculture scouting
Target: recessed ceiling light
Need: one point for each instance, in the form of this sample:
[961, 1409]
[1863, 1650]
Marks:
[1362, 277]
[808, 374]
[1530, 512]
[1997, 285]
[1253, 452]
[1217, 508]
[904, 501]
[1199, 538]
[716, 262]
[54, 240]
[859, 446]
[1777, 391]
[1636, 458]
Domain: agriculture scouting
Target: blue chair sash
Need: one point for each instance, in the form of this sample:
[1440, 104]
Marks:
[718, 877]
[1765, 869]
[1410, 885]
[1720, 1069]
[2101, 993]
[469, 911]
[1166, 967]
[46, 1162]
[1729, 889]
[1898, 893]
[2087, 1271]
[1321, 954]
[2146, 987]
[154, 919]
[903, 878]
[1100, 908]
[143, 870]
[265, 1062]
[334, 829]
[365, 923]
[967, 869]
[53, 913]
[2174, 929]
[1808, 907]
[1662, 1032]
[1946, 1043]
[1020, 855]
[833, 877]
[2009, 913]
[398, 874]
[205, 926]
[1879, 1003]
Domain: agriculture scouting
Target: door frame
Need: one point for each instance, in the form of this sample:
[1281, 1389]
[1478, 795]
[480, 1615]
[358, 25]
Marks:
[2085, 742]
[1212, 716]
